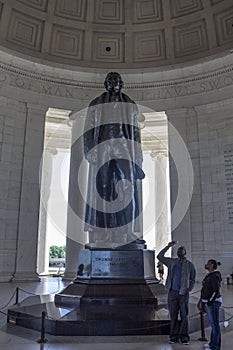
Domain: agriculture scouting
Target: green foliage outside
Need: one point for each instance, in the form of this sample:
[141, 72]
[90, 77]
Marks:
[57, 252]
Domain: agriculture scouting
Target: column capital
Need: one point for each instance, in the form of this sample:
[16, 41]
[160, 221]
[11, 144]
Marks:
[51, 151]
[156, 155]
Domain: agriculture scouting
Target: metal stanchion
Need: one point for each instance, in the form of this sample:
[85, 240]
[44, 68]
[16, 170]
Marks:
[42, 339]
[203, 337]
[17, 296]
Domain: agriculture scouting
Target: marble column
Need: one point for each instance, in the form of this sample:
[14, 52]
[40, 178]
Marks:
[12, 134]
[162, 207]
[28, 221]
[46, 175]
[76, 237]
[181, 178]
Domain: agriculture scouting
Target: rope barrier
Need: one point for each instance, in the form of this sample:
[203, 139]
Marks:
[1, 312]
[24, 291]
[30, 293]
[11, 298]
[227, 307]
[228, 319]
[16, 295]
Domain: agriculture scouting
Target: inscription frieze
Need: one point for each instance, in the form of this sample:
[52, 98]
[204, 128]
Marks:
[83, 90]
[228, 164]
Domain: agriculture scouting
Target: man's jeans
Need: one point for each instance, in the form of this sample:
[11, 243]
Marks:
[178, 304]
[213, 316]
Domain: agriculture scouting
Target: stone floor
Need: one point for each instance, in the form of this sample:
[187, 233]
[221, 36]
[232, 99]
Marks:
[17, 338]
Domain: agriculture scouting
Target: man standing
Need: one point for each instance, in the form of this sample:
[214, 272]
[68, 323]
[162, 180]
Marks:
[180, 281]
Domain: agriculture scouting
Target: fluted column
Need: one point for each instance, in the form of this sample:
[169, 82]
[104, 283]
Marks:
[181, 177]
[162, 207]
[76, 237]
[12, 135]
[46, 176]
[28, 220]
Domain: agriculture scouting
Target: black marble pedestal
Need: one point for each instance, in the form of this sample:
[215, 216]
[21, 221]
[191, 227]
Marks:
[67, 321]
[115, 285]
[115, 293]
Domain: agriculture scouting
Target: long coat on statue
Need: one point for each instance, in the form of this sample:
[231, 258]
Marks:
[112, 146]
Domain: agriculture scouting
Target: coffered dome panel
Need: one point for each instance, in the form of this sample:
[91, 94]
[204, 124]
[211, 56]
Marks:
[190, 38]
[37, 4]
[147, 11]
[67, 42]
[113, 34]
[108, 47]
[149, 45]
[25, 31]
[70, 9]
[108, 12]
[224, 26]
[214, 2]
[185, 7]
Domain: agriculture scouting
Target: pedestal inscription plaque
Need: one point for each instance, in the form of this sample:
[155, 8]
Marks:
[116, 264]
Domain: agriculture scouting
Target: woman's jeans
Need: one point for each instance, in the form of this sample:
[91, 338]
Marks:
[213, 316]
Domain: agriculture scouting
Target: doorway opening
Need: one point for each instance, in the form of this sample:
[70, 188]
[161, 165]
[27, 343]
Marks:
[55, 165]
[156, 185]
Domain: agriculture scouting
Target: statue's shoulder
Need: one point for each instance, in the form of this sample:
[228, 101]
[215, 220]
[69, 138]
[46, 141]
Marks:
[98, 100]
[126, 98]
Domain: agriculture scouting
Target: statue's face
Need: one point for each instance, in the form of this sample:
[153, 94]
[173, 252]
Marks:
[113, 83]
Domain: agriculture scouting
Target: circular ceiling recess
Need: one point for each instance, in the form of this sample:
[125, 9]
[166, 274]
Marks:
[117, 33]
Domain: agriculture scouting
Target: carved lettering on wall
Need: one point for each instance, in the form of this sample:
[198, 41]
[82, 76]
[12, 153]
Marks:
[192, 88]
[56, 91]
[155, 91]
[228, 163]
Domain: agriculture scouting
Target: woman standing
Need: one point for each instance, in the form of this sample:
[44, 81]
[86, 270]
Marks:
[211, 297]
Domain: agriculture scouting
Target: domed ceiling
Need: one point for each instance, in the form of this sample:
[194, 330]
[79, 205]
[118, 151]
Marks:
[117, 33]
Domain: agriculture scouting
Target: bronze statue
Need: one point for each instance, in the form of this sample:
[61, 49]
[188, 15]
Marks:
[112, 146]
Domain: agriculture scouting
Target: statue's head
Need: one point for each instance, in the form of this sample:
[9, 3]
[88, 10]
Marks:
[113, 82]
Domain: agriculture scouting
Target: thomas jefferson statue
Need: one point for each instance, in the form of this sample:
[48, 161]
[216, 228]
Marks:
[112, 147]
